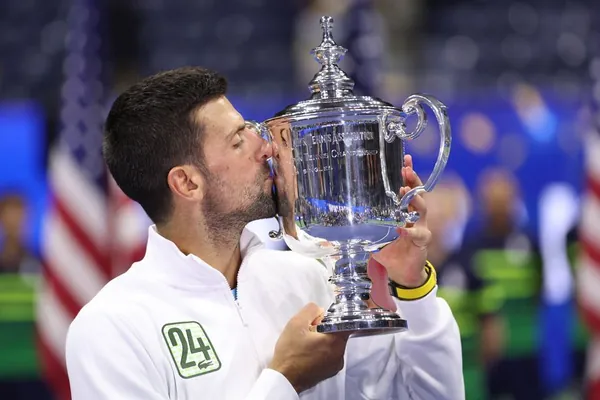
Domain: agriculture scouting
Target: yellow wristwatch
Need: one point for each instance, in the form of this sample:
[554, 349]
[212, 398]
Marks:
[405, 293]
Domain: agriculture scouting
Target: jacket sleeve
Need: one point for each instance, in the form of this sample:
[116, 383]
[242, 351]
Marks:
[424, 362]
[271, 385]
[105, 360]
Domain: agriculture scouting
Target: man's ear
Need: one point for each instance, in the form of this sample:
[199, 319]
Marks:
[186, 182]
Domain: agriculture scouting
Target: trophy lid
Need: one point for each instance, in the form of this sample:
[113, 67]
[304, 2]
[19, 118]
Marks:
[331, 88]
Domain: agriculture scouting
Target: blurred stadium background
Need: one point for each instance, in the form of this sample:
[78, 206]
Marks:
[516, 219]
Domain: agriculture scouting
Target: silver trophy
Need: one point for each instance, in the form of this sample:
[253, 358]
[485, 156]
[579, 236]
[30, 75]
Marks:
[340, 157]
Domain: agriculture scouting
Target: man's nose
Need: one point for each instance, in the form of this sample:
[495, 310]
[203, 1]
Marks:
[265, 147]
[265, 150]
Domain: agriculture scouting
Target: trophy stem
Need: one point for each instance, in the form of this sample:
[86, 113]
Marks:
[351, 310]
[352, 286]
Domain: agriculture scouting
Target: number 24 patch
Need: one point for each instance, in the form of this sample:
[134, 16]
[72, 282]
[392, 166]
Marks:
[191, 349]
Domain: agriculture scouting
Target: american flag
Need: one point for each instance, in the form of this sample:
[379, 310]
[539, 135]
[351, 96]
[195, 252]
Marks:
[91, 230]
[589, 261]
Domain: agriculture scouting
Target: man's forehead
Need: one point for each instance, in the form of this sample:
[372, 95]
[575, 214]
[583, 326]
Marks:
[219, 114]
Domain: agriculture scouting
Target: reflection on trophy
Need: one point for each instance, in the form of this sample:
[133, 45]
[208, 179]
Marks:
[338, 162]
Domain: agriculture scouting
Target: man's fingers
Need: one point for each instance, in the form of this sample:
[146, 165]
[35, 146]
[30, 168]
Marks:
[309, 313]
[409, 176]
[408, 162]
[418, 204]
[318, 320]
[413, 178]
[333, 337]
[342, 335]
[420, 236]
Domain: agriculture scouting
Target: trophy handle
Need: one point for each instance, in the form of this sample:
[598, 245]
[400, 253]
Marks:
[391, 127]
[262, 130]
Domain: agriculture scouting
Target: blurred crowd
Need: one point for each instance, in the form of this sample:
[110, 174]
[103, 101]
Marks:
[519, 78]
[494, 279]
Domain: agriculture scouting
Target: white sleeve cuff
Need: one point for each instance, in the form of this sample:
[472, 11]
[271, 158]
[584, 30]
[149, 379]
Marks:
[272, 385]
[423, 315]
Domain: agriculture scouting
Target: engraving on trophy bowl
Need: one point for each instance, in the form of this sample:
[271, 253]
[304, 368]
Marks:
[341, 196]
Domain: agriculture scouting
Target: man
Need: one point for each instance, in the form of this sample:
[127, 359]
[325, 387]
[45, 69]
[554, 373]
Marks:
[474, 302]
[15, 257]
[504, 256]
[209, 313]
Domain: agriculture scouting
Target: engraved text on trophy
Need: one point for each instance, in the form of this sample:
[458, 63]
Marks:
[320, 146]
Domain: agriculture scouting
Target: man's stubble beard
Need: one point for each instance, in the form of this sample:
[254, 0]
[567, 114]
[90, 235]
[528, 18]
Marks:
[226, 226]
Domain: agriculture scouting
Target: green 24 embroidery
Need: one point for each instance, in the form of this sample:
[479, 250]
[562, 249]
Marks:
[191, 349]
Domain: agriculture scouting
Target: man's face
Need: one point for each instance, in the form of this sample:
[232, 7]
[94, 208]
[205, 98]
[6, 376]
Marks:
[499, 197]
[287, 185]
[238, 188]
[12, 215]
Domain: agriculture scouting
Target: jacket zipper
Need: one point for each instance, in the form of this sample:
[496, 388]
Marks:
[240, 308]
[237, 300]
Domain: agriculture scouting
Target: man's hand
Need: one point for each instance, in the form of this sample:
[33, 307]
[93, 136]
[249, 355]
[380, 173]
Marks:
[304, 356]
[404, 258]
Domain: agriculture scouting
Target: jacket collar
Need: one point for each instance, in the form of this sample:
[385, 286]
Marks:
[166, 262]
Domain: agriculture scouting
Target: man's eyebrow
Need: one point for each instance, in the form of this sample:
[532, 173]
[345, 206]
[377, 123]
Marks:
[236, 130]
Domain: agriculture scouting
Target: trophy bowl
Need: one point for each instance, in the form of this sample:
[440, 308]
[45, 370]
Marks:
[340, 158]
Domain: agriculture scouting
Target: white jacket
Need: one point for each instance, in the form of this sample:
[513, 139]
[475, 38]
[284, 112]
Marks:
[169, 328]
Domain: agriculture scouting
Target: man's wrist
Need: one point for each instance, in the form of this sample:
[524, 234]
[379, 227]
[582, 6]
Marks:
[413, 281]
[288, 375]
[405, 292]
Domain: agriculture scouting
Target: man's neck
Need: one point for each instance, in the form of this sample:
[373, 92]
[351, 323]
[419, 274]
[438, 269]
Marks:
[222, 255]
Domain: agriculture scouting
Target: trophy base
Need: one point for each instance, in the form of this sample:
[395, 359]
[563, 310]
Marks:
[371, 321]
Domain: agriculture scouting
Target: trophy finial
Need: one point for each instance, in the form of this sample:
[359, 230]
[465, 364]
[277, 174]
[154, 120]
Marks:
[327, 26]
[330, 81]
[328, 52]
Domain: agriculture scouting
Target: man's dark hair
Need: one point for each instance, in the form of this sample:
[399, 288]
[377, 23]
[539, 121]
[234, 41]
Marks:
[151, 128]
